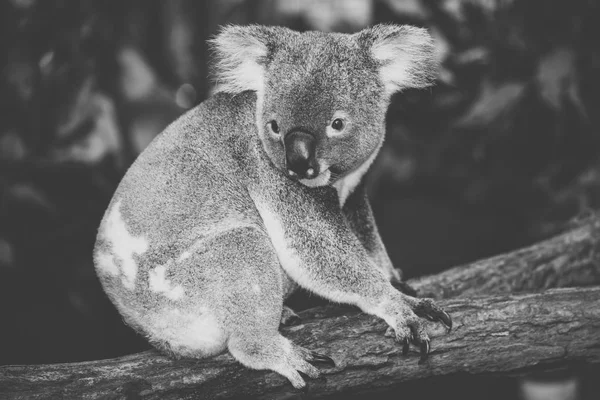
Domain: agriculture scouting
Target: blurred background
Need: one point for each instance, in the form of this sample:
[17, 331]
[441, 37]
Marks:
[501, 153]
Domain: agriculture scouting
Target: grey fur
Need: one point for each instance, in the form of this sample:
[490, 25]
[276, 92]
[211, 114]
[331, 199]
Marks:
[206, 235]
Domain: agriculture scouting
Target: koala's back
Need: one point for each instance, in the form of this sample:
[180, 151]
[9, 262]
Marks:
[182, 193]
[193, 170]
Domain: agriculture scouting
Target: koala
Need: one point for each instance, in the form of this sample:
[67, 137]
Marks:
[258, 191]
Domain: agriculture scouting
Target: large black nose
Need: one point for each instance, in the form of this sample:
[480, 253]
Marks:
[300, 154]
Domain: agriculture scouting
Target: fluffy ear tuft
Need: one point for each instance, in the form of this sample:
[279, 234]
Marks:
[240, 53]
[406, 55]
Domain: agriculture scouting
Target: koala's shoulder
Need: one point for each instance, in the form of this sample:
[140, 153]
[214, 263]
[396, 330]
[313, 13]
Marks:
[219, 114]
[214, 132]
[224, 105]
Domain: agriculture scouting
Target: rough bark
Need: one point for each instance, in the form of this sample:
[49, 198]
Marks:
[499, 334]
[566, 260]
[503, 333]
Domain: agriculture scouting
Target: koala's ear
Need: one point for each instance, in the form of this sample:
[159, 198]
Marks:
[405, 55]
[241, 53]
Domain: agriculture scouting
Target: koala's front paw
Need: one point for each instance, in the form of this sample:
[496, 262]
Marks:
[409, 327]
[426, 308]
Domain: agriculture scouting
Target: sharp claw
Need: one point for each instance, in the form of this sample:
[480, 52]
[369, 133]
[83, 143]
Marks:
[321, 358]
[405, 346]
[424, 349]
[430, 318]
[447, 320]
[424, 352]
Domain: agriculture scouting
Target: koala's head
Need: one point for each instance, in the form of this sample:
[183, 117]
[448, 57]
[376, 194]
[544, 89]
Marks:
[322, 97]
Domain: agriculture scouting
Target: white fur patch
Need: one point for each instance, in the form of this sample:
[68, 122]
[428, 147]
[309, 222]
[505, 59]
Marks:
[286, 254]
[185, 255]
[106, 263]
[346, 185]
[321, 180]
[246, 76]
[190, 333]
[407, 57]
[158, 283]
[124, 245]
[239, 51]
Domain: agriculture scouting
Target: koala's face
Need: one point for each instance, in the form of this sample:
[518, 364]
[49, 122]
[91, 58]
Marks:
[322, 109]
[322, 98]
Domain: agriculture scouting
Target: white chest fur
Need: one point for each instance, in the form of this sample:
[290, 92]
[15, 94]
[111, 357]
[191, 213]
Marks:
[346, 185]
[286, 253]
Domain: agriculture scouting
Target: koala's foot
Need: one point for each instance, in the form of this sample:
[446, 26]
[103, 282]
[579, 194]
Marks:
[409, 327]
[277, 354]
[289, 317]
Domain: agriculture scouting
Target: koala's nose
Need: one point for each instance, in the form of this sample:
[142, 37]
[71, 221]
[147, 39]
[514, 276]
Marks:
[300, 155]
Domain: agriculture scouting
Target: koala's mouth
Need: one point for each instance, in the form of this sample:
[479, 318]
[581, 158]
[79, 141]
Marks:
[323, 179]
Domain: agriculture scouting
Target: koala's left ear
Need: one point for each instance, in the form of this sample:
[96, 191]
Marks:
[405, 54]
[241, 53]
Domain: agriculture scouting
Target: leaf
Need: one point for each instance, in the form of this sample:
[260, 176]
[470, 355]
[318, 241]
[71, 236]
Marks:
[92, 134]
[557, 80]
[7, 257]
[12, 147]
[492, 102]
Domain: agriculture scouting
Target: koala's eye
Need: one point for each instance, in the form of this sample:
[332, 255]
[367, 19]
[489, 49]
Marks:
[337, 124]
[272, 125]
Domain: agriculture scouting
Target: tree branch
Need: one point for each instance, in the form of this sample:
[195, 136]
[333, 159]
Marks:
[508, 334]
[567, 260]
[498, 334]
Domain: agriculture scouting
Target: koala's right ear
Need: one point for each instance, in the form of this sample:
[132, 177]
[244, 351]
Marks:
[241, 54]
[405, 55]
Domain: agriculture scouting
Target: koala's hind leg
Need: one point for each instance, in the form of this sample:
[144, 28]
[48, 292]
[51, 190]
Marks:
[256, 350]
[250, 305]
